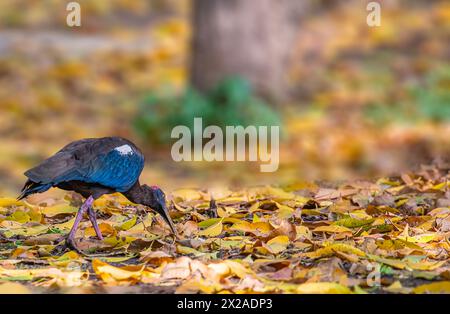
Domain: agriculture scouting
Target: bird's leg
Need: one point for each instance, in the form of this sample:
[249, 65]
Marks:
[93, 219]
[84, 208]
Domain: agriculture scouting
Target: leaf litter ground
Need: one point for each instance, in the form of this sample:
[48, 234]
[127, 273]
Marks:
[387, 236]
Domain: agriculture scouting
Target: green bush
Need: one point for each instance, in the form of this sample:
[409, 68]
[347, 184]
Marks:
[231, 102]
[433, 100]
[427, 101]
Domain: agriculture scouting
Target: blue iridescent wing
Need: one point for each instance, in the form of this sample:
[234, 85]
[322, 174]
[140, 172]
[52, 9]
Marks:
[115, 169]
[112, 162]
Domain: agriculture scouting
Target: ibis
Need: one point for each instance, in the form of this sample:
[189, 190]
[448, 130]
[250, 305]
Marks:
[93, 167]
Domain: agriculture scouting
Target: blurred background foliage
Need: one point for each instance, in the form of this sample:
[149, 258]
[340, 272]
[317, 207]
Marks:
[359, 101]
[429, 101]
[231, 102]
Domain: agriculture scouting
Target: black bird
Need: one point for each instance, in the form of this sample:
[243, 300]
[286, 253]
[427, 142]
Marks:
[93, 167]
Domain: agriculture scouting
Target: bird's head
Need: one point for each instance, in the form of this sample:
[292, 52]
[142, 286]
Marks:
[155, 198]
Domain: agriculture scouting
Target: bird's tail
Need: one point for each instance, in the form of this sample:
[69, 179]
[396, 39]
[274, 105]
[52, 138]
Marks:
[32, 187]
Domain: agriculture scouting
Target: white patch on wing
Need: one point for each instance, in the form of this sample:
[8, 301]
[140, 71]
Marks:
[124, 149]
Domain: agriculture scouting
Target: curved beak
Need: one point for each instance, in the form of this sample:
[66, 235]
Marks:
[164, 212]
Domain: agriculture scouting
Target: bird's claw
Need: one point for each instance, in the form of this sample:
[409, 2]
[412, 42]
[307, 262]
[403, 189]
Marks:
[70, 243]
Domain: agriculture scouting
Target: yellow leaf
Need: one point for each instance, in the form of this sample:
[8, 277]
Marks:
[232, 200]
[435, 287]
[302, 245]
[140, 227]
[35, 215]
[322, 288]
[427, 225]
[331, 249]
[397, 287]
[29, 231]
[101, 202]
[256, 228]
[277, 244]
[199, 285]
[225, 211]
[302, 232]
[69, 255]
[441, 186]
[256, 218]
[401, 202]
[155, 256]
[229, 244]
[425, 265]
[233, 220]
[388, 261]
[396, 245]
[332, 229]
[440, 212]
[284, 211]
[386, 181]
[182, 268]
[209, 222]
[19, 216]
[112, 274]
[420, 238]
[254, 207]
[65, 225]
[275, 193]
[353, 222]
[188, 250]
[181, 209]
[128, 224]
[186, 194]
[7, 201]
[360, 214]
[13, 288]
[61, 277]
[213, 230]
[359, 290]
[58, 209]
[105, 229]
[65, 259]
[238, 269]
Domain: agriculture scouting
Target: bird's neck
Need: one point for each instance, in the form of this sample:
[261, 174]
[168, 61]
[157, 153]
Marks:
[136, 194]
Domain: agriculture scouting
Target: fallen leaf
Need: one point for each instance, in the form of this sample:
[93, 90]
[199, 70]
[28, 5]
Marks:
[435, 287]
[116, 275]
[322, 288]
[332, 229]
[213, 230]
[277, 244]
[13, 288]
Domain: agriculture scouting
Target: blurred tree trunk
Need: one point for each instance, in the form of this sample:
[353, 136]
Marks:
[247, 38]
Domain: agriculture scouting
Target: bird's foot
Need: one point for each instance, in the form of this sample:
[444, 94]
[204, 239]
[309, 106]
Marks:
[86, 207]
[70, 243]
